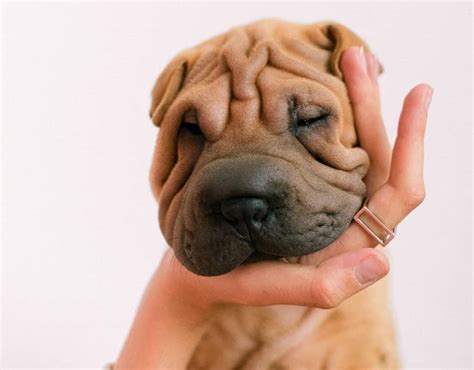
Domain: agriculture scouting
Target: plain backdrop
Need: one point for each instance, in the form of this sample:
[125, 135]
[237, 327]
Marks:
[80, 225]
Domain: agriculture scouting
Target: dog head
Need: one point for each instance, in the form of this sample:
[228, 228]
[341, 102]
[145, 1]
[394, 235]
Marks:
[256, 156]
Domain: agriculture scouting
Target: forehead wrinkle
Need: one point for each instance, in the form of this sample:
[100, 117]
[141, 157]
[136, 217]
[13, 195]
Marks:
[245, 52]
[281, 60]
[208, 67]
[202, 66]
[246, 57]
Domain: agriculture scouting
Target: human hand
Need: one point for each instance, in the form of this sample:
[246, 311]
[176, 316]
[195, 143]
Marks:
[394, 182]
[177, 302]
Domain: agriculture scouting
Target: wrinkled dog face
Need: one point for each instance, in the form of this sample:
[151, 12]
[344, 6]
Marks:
[256, 157]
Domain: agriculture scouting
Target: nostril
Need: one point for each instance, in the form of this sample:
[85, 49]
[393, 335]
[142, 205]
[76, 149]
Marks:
[244, 211]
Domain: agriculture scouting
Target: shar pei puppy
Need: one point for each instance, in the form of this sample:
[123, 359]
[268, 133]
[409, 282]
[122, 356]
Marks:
[257, 158]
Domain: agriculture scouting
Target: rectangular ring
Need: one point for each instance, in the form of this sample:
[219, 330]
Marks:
[387, 234]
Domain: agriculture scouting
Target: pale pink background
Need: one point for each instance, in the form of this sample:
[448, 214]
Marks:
[80, 233]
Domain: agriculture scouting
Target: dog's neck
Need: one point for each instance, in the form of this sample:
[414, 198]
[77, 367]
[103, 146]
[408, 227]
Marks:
[258, 336]
[255, 337]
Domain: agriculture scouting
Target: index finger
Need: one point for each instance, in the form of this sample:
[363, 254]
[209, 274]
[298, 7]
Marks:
[360, 71]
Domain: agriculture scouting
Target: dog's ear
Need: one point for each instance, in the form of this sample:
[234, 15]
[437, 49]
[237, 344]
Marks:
[166, 89]
[342, 38]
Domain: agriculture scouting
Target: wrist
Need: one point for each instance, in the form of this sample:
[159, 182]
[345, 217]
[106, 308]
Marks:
[167, 327]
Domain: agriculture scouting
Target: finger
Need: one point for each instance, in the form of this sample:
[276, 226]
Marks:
[404, 190]
[326, 286]
[407, 161]
[360, 74]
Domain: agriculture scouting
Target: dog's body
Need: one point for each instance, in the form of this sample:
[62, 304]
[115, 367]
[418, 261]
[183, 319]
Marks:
[257, 158]
[356, 335]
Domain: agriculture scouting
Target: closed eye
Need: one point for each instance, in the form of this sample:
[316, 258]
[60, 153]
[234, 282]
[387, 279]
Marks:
[192, 128]
[320, 118]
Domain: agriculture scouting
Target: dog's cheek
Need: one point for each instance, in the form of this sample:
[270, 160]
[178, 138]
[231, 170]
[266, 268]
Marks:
[189, 149]
[169, 218]
[327, 149]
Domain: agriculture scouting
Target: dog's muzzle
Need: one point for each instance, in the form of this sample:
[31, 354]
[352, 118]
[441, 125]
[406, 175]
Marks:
[251, 208]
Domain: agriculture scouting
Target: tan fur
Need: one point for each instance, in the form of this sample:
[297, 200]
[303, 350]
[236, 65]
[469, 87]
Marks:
[358, 334]
[229, 80]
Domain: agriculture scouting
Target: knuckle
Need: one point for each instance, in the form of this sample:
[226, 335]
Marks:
[323, 294]
[415, 197]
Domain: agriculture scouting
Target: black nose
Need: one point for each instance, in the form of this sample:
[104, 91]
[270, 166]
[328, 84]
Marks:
[245, 213]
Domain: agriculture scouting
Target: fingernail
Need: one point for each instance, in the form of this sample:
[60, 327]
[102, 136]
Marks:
[369, 271]
[428, 96]
[361, 58]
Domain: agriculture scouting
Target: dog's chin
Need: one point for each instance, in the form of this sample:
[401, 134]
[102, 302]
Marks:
[211, 267]
[241, 254]
[217, 269]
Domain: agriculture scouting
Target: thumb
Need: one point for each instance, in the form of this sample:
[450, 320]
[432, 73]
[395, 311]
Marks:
[324, 286]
